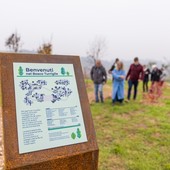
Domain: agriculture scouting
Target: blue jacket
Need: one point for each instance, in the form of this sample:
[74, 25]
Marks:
[118, 84]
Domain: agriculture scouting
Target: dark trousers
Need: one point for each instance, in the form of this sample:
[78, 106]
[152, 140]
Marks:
[117, 100]
[145, 86]
[131, 84]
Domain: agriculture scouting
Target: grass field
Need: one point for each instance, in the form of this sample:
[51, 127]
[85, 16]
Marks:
[135, 136]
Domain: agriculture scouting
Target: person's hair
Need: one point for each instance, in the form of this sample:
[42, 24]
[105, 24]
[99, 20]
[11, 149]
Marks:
[116, 60]
[98, 62]
[136, 59]
[122, 65]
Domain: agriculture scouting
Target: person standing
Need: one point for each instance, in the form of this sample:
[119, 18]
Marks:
[134, 74]
[99, 78]
[155, 74]
[146, 78]
[118, 83]
[155, 78]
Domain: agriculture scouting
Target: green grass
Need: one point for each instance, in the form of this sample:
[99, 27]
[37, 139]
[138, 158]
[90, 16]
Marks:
[134, 136]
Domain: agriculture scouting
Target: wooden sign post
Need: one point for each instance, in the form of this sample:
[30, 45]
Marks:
[47, 122]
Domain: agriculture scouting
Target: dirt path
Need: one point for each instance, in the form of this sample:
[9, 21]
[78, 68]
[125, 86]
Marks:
[107, 91]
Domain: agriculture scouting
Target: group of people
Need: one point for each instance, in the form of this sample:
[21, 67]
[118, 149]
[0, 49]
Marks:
[136, 73]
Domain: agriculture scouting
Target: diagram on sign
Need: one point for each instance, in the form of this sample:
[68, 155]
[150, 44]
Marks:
[33, 90]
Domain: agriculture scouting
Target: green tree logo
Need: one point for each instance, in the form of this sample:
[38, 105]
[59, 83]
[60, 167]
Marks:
[63, 72]
[79, 133]
[20, 71]
[68, 73]
[73, 135]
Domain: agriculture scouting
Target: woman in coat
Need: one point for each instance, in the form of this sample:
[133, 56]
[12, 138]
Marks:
[146, 78]
[118, 83]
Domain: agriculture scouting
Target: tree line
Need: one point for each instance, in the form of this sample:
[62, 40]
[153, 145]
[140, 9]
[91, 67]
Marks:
[14, 43]
[96, 49]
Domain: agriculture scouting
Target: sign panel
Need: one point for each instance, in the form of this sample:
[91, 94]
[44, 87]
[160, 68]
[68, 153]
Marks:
[48, 108]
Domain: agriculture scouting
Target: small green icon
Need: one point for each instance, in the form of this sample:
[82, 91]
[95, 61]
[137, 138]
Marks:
[68, 73]
[63, 72]
[79, 133]
[73, 135]
[20, 71]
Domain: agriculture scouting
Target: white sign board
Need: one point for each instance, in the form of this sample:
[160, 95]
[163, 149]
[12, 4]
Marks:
[48, 108]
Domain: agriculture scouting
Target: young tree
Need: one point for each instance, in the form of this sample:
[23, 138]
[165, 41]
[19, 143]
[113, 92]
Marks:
[13, 42]
[45, 48]
[97, 49]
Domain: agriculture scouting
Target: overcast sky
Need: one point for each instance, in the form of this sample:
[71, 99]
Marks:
[131, 27]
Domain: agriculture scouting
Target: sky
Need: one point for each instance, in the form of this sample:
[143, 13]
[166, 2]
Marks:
[130, 27]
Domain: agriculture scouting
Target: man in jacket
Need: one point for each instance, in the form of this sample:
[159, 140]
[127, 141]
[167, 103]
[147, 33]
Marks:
[134, 74]
[155, 78]
[99, 77]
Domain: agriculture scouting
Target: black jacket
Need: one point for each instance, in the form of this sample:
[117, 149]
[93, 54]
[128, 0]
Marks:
[146, 75]
[155, 75]
[112, 68]
[98, 74]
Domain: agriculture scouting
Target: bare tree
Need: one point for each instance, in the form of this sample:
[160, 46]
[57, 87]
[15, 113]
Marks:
[97, 49]
[13, 42]
[45, 48]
